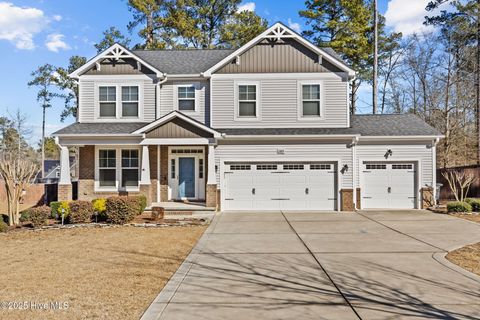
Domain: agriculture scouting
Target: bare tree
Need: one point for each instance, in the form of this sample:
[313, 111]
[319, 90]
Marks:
[459, 182]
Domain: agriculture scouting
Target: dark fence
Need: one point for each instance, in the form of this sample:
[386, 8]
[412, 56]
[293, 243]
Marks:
[447, 194]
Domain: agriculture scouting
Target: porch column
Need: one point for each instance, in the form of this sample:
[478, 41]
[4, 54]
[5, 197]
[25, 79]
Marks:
[145, 175]
[64, 192]
[211, 194]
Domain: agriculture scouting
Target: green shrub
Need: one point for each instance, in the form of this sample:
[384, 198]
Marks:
[475, 203]
[66, 208]
[458, 206]
[80, 212]
[37, 216]
[142, 203]
[121, 210]
[3, 225]
[54, 209]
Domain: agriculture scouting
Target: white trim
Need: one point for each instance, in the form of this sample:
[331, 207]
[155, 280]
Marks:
[110, 77]
[172, 115]
[335, 161]
[158, 173]
[175, 141]
[118, 108]
[396, 138]
[197, 91]
[418, 176]
[118, 168]
[280, 31]
[300, 115]
[291, 75]
[258, 100]
[292, 137]
[116, 52]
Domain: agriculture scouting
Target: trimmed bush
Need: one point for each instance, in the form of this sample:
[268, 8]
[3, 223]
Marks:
[458, 206]
[3, 225]
[54, 205]
[475, 203]
[38, 216]
[57, 207]
[142, 203]
[80, 212]
[121, 210]
[99, 206]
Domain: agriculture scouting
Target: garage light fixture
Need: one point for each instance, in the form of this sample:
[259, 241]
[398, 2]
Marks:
[389, 153]
[344, 168]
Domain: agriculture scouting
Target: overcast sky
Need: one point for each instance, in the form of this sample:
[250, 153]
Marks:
[36, 32]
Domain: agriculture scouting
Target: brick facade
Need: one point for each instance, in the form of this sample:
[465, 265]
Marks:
[163, 173]
[428, 198]
[64, 192]
[211, 195]
[359, 199]
[346, 196]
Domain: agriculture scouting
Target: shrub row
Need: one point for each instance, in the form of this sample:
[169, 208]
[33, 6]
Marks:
[459, 206]
[475, 203]
[37, 216]
[3, 225]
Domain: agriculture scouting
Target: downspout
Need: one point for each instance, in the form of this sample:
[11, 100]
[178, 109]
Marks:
[354, 173]
[434, 169]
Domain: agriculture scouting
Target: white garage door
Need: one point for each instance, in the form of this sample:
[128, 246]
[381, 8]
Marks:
[388, 185]
[279, 186]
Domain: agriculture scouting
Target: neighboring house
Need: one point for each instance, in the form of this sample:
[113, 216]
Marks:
[51, 169]
[263, 127]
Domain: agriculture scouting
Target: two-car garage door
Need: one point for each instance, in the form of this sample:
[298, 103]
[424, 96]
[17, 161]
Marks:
[280, 186]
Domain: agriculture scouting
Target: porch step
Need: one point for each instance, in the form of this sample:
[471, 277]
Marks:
[178, 213]
[182, 207]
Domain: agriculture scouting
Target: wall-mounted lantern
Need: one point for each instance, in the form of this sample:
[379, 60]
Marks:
[389, 153]
[344, 168]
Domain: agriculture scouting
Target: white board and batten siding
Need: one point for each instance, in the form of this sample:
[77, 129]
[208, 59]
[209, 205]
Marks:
[168, 96]
[279, 102]
[89, 98]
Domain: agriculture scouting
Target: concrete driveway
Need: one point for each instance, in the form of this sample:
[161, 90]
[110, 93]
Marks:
[297, 265]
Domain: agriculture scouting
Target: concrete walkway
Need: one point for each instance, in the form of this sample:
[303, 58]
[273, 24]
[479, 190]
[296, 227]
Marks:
[297, 265]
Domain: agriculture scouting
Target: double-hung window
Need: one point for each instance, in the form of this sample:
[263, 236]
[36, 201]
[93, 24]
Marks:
[129, 168]
[108, 101]
[130, 101]
[311, 100]
[107, 168]
[186, 98]
[247, 100]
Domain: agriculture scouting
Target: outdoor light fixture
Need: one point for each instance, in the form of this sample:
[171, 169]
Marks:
[389, 153]
[344, 168]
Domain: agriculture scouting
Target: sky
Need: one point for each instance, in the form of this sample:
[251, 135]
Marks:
[35, 32]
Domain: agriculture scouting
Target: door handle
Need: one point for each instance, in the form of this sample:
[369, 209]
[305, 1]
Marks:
[306, 190]
[253, 190]
[389, 189]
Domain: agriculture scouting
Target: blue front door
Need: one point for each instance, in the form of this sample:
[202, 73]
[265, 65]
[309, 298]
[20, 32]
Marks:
[186, 178]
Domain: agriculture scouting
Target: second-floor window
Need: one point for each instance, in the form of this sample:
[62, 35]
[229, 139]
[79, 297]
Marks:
[108, 101]
[311, 100]
[130, 101]
[186, 98]
[247, 101]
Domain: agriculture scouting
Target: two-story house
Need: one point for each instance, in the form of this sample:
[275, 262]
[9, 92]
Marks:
[264, 127]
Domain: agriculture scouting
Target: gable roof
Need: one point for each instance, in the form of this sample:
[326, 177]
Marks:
[116, 51]
[188, 61]
[278, 31]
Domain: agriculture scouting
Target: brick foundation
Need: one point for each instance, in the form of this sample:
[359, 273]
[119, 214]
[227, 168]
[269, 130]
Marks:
[163, 173]
[219, 200]
[359, 199]
[428, 198]
[64, 192]
[347, 200]
[145, 190]
[211, 195]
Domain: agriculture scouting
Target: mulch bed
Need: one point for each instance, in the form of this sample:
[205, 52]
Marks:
[467, 257]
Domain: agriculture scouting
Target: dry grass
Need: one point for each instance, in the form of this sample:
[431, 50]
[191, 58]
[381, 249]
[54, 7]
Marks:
[467, 257]
[471, 217]
[110, 273]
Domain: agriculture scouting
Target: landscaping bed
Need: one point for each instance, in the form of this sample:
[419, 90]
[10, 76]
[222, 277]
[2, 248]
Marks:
[101, 272]
[467, 257]
[475, 217]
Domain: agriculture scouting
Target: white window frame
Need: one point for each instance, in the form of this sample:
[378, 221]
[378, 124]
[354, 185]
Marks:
[301, 117]
[110, 101]
[132, 101]
[258, 101]
[130, 168]
[196, 86]
[118, 168]
[118, 109]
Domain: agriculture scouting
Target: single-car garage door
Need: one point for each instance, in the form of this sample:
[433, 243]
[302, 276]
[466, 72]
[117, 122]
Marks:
[388, 185]
[279, 186]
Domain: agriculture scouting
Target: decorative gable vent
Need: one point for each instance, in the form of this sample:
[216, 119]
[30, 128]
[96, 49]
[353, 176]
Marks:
[279, 32]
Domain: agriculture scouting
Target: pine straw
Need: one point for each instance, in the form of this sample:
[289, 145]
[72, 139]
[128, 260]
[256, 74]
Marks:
[112, 273]
[471, 217]
[467, 257]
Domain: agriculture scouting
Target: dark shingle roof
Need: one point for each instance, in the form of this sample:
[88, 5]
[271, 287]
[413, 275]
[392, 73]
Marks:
[193, 61]
[100, 128]
[365, 125]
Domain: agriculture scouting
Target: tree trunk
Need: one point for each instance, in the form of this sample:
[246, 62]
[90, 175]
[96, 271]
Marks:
[375, 57]
[43, 143]
[477, 83]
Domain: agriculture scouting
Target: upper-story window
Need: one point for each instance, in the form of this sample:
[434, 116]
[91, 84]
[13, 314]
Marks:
[311, 100]
[247, 100]
[186, 98]
[130, 101]
[108, 101]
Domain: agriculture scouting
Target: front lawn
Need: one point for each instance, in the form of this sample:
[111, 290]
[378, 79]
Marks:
[467, 257]
[105, 273]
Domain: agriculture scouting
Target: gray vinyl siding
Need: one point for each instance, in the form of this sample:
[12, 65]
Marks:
[278, 105]
[400, 152]
[167, 99]
[88, 100]
[298, 151]
[288, 55]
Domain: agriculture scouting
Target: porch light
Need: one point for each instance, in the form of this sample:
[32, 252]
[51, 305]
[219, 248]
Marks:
[389, 153]
[344, 168]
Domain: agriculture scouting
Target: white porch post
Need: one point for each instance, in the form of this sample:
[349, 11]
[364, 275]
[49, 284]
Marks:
[211, 179]
[145, 174]
[64, 166]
